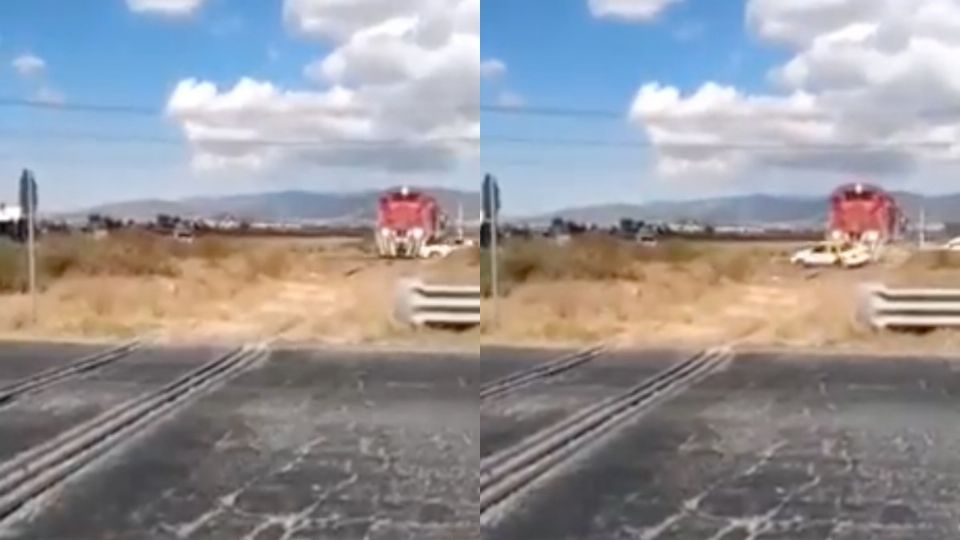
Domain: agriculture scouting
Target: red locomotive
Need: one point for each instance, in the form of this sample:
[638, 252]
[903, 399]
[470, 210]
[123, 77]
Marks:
[407, 221]
[863, 213]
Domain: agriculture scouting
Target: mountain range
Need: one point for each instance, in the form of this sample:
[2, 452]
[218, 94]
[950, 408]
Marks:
[360, 207]
[747, 210]
[302, 206]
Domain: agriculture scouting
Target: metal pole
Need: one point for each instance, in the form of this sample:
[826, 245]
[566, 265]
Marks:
[460, 235]
[494, 277]
[923, 228]
[32, 255]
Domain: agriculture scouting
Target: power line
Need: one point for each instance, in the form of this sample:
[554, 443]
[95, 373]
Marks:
[493, 139]
[522, 111]
[333, 143]
[717, 146]
[79, 107]
[141, 110]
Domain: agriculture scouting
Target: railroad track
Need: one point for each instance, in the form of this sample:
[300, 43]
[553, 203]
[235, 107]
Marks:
[501, 387]
[508, 473]
[50, 377]
[30, 475]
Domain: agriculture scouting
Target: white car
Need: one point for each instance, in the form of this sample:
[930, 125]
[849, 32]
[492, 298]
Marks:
[953, 245]
[833, 254]
[436, 251]
[183, 235]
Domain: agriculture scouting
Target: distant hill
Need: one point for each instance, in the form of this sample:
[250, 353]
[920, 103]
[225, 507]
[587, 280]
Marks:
[340, 208]
[745, 210]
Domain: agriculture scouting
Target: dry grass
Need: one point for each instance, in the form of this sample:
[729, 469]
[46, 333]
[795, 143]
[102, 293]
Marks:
[700, 294]
[603, 258]
[132, 284]
[676, 294]
[928, 269]
[934, 260]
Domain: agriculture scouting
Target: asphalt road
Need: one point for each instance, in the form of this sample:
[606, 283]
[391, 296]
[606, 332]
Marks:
[508, 419]
[35, 418]
[308, 445]
[343, 446]
[18, 360]
[772, 448]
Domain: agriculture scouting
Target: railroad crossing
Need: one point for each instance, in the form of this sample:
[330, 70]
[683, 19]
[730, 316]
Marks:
[150, 442]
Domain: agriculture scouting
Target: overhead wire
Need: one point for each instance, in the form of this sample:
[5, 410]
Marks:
[492, 139]
[505, 110]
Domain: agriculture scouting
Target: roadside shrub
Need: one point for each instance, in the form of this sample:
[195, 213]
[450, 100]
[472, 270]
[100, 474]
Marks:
[588, 258]
[678, 252]
[474, 257]
[211, 249]
[13, 275]
[486, 277]
[734, 266]
[603, 258]
[124, 254]
[269, 263]
[934, 260]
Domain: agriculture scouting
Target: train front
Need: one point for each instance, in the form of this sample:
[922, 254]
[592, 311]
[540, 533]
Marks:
[862, 213]
[402, 229]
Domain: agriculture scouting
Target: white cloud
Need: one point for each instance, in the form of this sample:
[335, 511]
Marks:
[174, 8]
[872, 87]
[398, 91]
[29, 65]
[629, 10]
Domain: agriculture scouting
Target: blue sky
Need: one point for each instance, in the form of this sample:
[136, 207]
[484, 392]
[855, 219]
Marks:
[733, 72]
[229, 92]
[102, 52]
[573, 60]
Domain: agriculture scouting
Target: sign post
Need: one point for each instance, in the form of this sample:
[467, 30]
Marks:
[491, 207]
[28, 205]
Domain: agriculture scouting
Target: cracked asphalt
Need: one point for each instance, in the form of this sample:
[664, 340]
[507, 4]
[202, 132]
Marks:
[34, 418]
[350, 446]
[507, 420]
[307, 446]
[772, 448]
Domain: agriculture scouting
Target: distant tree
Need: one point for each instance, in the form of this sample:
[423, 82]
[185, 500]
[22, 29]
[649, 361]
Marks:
[575, 228]
[557, 227]
[111, 224]
[166, 221]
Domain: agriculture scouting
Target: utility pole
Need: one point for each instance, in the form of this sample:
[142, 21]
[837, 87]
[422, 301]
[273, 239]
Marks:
[460, 223]
[491, 207]
[923, 227]
[28, 205]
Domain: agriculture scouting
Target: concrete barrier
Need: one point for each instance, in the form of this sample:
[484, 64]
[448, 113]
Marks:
[887, 308]
[420, 304]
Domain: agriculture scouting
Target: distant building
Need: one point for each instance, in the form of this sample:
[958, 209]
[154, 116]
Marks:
[12, 222]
